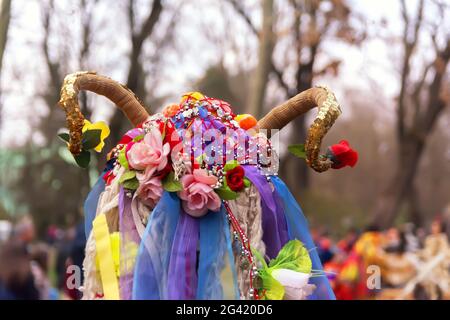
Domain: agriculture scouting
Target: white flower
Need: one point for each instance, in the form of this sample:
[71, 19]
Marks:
[295, 284]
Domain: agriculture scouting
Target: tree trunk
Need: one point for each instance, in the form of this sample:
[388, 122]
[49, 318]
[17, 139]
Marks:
[294, 171]
[266, 44]
[136, 75]
[5, 17]
[401, 188]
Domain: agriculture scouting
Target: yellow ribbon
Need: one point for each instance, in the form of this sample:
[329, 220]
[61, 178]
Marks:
[105, 258]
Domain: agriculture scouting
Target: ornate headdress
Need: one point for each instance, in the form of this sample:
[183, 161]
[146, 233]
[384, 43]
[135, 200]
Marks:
[190, 192]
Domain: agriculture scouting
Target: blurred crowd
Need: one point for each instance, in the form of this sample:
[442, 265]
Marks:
[32, 269]
[398, 263]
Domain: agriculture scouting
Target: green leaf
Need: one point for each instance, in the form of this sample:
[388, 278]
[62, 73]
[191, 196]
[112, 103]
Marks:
[230, 165]
[247, 182]
[163, 134]
[64, 136]
[128, 175]
[226, 193]
[131, 184]
[91, 139]
[138, 138]
[260, 258]
[293, 256]
[170, 184]
[122, 158]
[274, 289]
[298, 150]
[83, 159]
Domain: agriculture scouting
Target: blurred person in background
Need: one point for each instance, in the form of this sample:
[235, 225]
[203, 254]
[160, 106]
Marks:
[24, 231]
[5, 230]
[446, 220]
[40, 269]
[392, 240]
[64, 247]
[346, 243]
[325, 249]
[436, 257]
[76, 257]
[16, 278]
[412, 241]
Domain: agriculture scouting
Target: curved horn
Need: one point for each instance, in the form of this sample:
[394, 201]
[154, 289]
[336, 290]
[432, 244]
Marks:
[123, 97]
[329, 111]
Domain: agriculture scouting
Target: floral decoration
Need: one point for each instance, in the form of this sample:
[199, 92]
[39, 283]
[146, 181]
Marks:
[93, 138]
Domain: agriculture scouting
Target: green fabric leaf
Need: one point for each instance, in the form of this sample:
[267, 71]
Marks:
[163, 134]
[293, 256]
[230, 165]
[138, 138]
[247, 182]
[260, 258]
[298, 150]
[91, 139]
[64, 136]
[131, 184]
[122, 158]
[170, 184]
[274, 289]
[83, 159]
[128, 175]
[225, 193]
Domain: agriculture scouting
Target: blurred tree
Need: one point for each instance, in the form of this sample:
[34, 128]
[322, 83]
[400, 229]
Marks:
[420, 102]
[266, 45]
[216, 82]
[44, 180]
[44, 187]
[5, 17]
[313, 23]
[135, 75]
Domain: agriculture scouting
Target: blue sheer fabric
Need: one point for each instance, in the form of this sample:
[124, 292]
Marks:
[90, 205]
[182, 279]
[213, 249]
[152, 263]
[298, 229]
[231, 266]
[160, 247]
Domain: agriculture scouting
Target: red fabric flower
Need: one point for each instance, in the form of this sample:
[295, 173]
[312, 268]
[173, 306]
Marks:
[342, 155]
[108, 177]
[235, 178]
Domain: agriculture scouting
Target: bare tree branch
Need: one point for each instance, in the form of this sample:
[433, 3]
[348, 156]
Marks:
[53, 67]
[278, 73]
[238, 8]
[147, 28]
[408, 47]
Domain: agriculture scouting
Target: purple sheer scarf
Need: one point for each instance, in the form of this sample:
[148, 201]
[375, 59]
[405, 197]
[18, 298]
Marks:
[129, 243]
[275, 230]
[182, 277]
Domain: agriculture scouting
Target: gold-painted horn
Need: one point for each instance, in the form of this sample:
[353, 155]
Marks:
[329, 111]
[123, 97]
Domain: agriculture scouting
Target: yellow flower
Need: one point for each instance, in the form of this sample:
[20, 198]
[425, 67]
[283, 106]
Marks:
[100, 125]
[195, 96]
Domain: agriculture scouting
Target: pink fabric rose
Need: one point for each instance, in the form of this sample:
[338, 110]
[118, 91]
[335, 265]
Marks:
[150, 187]
[149, 152]
[198, 195]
